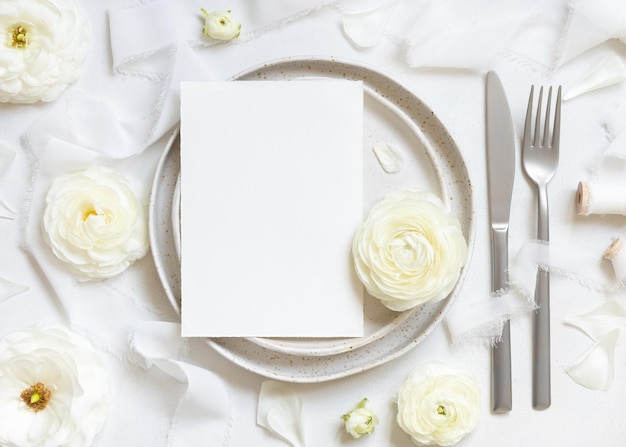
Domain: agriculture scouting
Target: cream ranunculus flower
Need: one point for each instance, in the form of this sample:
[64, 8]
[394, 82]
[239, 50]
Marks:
[438, 405]
[94, 223]
[409, 250]
[360, 420]
[45, 43]
[53, 389]
[219, 25]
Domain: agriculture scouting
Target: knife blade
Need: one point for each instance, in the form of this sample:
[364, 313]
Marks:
[500, 174]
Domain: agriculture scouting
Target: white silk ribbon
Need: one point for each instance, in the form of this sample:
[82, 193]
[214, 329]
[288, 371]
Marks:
[477, 319]
[590, 23]
[204, 411]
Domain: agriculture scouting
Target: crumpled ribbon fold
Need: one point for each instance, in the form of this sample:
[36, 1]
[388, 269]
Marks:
[204, 411]
[590, 23]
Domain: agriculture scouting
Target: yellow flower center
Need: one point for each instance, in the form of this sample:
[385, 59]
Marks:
[19, 36]
[90, 212]
[441, 410]
[36, 397]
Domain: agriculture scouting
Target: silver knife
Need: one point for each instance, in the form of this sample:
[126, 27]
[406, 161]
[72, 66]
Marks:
[500, 173]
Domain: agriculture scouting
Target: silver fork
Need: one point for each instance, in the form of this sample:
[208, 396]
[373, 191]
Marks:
[540, 159]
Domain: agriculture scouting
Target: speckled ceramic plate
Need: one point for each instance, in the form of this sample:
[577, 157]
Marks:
[431, 161]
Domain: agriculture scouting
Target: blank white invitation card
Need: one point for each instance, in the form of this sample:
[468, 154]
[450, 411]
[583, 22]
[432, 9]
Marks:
[271, 195]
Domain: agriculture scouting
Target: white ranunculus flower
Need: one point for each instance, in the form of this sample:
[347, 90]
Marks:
[94, 223]
[360, 420]
[219, 25]
[54, 389]
[45, 43]
[409, 250]
[438, 405]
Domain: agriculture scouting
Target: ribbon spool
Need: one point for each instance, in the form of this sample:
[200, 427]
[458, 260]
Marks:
[617, 255]
[600, 198]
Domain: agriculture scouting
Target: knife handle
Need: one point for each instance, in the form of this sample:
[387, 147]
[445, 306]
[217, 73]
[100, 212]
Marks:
[501, 389]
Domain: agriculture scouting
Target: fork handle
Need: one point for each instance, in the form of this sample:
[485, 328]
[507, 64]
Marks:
[543, 226]
[541, 342]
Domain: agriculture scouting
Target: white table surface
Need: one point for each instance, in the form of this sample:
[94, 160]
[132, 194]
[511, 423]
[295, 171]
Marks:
[577, 417]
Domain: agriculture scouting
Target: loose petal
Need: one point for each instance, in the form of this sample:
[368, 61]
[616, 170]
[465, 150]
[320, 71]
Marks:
[601, 320]
[388, 156]
[595, 369]
[10, 288]
[280, 412]
[366, 28]
[611, 70]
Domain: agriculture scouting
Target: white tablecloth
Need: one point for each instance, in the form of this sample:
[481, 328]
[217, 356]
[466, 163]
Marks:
[578, 416]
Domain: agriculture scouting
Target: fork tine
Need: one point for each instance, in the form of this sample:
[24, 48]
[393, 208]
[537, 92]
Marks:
[546, 126]
[538, 119]
[557, 122]
[529, 115]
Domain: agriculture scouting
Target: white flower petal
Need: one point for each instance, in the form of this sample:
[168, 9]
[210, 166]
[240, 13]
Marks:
[595, 369]
[611, 70]
[388, 156]
[10, 288]
[280, 412]
[604, 318]
[366, 28]
[42, 424]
